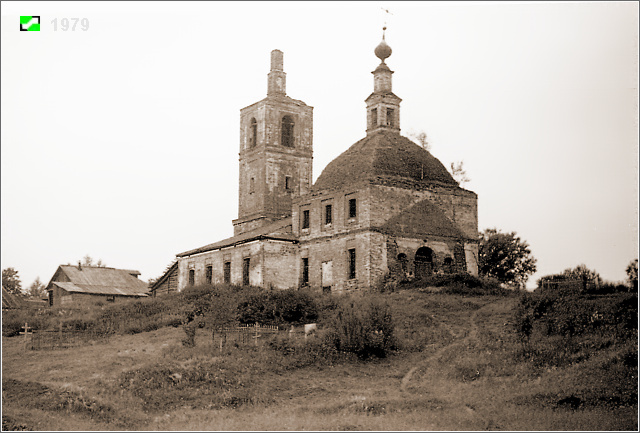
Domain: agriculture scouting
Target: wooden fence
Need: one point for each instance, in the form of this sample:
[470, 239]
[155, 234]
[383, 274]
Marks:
[253, 334]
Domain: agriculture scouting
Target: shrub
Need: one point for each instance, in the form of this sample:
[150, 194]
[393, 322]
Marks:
[277, 307]
[362, 327]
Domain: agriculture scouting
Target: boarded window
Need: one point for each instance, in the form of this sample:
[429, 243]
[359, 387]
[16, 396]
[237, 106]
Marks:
[246, 266]
[253, 133]
[328, 214]
[352, 263]
[305, 271]
[226, 271]
[287, 131]
[305, 219]
[390, 117]
[192, 277]
[352, 208]
[209, 274]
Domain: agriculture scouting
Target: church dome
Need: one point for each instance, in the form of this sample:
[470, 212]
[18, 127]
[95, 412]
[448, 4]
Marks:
[382, 157]
[383, 50]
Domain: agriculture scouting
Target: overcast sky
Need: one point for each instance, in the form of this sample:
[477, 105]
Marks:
[121, 141]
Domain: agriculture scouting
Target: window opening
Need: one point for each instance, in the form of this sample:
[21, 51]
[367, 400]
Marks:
[352, 208]
[227, 272]
[390, 119]
[246, 265]
[253, 134]
[209, 274]
[192, 277]
[287, 131]
[352, 263]
[305, 271]
[287, 183]
[328, 214]
[305, 219]
[374, 117]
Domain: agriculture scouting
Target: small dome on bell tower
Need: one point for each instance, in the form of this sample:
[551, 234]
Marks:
[383, 50]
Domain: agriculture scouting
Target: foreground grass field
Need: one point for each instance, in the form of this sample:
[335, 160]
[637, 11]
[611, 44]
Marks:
[465, 369]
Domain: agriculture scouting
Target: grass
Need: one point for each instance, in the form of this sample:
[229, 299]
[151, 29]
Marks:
[459, 365]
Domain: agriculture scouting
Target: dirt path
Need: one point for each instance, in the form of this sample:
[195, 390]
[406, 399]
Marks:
[472, 334]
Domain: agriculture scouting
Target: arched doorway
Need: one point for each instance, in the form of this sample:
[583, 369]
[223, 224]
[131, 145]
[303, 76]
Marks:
[423, 262]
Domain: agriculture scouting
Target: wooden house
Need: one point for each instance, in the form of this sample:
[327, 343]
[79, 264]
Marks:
[77, 286]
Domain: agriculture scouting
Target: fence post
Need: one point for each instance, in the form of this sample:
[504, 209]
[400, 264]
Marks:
[26, 334]
[256, 334]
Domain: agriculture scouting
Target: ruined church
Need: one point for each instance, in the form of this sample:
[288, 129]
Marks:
[384, 208]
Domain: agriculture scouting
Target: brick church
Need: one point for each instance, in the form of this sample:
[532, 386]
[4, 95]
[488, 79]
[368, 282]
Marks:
[384, 207]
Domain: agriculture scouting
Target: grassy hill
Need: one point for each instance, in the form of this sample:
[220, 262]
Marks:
[459, 360]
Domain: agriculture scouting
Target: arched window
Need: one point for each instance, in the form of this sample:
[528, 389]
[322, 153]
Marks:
[423, 262]
[253, 133]
[287, 131]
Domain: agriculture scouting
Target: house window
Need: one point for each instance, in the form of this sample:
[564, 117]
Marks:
[246, 265]
[111, 299]
[352, 263]
[287, 131]
[374, 117]
[253, 133]
[305, 219]
[209, 274]
[305, 271]
[287, 183]
[390, 120]
[328, 214]
[226, 271]
[352, 208]
[252, 185]
[192, 277]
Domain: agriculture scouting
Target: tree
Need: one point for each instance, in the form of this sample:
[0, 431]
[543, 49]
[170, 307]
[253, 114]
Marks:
[632, 275]
[506, 257]
[581, 272]
[421, 138]
[459, 173]
[36, 289]
[11, 281]
[88, 261]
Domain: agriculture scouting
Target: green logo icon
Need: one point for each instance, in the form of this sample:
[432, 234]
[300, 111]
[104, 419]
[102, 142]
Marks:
[30, 24]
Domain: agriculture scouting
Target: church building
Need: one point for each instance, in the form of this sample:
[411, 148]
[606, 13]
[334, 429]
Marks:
[384, 208]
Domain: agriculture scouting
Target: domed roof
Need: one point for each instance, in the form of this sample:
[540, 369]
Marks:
[383, 50]
[383, 155]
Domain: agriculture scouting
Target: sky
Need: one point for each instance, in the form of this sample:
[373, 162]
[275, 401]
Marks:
[121, 142]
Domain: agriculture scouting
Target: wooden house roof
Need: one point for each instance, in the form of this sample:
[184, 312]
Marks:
[99, 280]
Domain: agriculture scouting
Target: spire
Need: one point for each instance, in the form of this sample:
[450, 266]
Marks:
[277, 79]
[383, 107]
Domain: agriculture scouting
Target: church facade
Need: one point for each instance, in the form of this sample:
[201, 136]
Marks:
[384, 208]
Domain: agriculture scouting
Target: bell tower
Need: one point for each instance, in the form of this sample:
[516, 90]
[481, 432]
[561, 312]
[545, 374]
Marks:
[383, 106]
[276, 153]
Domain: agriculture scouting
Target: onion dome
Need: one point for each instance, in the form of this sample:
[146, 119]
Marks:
[383, 50]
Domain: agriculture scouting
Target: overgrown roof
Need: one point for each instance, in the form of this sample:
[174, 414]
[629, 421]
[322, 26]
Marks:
[100, 280]
[422, 219]
[383, 155]
[278, 230]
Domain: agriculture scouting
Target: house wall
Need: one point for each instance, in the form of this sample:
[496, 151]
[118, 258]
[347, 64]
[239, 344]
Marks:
[64, 299]
[272, 263]
[170, 284]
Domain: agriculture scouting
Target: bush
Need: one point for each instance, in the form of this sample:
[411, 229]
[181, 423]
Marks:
[362, 327]
[277, 307]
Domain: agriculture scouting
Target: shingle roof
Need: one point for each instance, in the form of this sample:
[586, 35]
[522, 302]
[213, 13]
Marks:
[422, 219]
[383, 155]
[278, 230]
[102, 280]
[10, 300]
